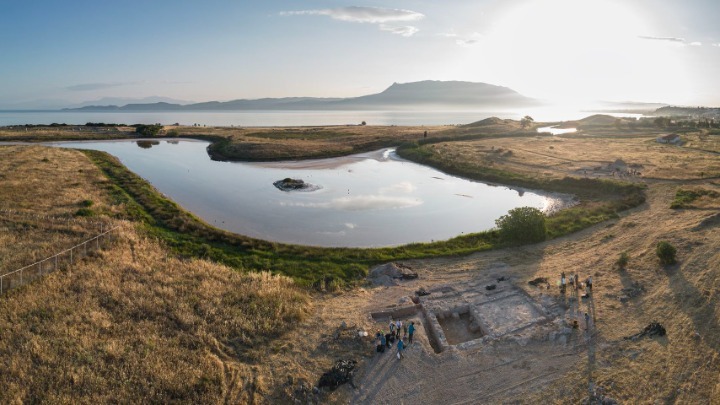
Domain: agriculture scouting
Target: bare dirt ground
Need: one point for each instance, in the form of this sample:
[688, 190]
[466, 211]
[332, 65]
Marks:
[681, 367]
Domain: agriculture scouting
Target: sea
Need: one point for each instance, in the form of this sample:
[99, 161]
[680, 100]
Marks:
[263, 118]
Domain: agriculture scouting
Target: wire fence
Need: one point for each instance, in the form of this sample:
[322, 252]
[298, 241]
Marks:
[63, 259]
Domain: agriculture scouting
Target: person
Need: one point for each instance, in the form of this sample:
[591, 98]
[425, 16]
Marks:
[401, 347]
[379, 342]
[562, 282]
[405, 330]
[392, 327]
[577, 281]
[385, 340]
[588, 283]
[411, 330]
[398, 328]
[390, 337]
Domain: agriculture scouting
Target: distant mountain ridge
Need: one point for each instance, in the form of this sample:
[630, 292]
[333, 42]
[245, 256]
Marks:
[413, 95]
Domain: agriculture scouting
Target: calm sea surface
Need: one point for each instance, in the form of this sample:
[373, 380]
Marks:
[372, 199]
[285, 118]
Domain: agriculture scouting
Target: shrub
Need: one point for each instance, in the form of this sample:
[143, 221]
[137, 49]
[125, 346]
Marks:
[623, 260]
[148, 130]
[87, 203]
[522, 225]
[84, 212]
[666, 252]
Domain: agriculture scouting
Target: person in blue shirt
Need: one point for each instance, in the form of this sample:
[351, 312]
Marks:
[401, 348]
[411, 330]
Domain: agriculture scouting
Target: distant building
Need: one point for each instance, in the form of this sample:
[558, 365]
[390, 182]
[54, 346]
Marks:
[671, 139]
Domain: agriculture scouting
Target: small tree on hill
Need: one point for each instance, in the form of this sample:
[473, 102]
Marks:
[526, 121]
[666, 252]
[522, 225]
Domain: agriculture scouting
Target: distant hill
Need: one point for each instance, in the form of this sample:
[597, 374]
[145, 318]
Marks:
[443, 94]
[489, 122]
[696, 112]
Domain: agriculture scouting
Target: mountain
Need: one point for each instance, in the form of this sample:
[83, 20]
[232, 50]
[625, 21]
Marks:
[106, 101]
[444, 94]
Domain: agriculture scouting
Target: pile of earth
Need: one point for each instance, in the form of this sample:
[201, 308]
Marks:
[288, 184]
[388, 274]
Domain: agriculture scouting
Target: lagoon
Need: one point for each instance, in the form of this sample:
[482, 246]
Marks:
[364, 200]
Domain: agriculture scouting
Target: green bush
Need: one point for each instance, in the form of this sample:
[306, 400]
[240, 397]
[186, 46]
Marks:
[87, 203]
[84, 212]
[148, 130]
[666, 252]
[522, 225]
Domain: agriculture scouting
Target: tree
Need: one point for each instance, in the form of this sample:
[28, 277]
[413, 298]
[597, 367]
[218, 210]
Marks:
[666, 252]
[148, 130]
[526, 121]
[522, 225]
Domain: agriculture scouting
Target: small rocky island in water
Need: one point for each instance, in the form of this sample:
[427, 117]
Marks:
[288, 184]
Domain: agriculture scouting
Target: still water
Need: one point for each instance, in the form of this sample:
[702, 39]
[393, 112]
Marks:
[286, 118]
[365, 200]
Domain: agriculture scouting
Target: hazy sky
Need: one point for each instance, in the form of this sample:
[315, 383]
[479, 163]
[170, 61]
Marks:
[567, 50]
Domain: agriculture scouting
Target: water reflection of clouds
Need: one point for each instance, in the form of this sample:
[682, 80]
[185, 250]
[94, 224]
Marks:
[402, 187]
[361, 203]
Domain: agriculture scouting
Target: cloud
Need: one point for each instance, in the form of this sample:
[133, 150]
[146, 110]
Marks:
[97, 86]
[402, 187]
[406, 31]
[676, 40]
[362, 203]
[718, 45]
[373, 15]
[370, 15]
[668, 39]
[464, 40]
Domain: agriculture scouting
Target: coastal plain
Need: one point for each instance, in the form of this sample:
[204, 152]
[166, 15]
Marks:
[140, 321]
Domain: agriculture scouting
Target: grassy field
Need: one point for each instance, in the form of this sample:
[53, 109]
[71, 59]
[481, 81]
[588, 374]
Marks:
[130, 323]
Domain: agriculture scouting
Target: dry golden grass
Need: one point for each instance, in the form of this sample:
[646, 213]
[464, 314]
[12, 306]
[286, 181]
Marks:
[560, 156]
[127, 323]
[703, 141]
[41, 189]
[73, 132]
[130, 324]
[685, 298]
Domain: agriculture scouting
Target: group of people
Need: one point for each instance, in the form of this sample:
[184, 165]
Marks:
[398, 331]
[575, 283]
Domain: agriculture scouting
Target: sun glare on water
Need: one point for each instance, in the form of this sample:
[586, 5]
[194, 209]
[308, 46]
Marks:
[574, 51]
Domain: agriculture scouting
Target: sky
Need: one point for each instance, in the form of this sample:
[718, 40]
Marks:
[569, 51]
